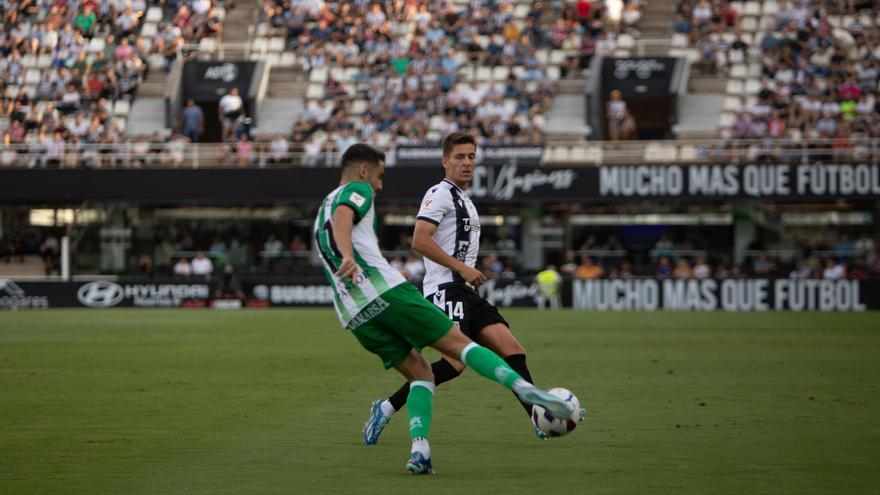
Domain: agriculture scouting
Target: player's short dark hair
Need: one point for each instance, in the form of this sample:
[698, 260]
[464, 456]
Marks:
[456, 138]
[361, 153]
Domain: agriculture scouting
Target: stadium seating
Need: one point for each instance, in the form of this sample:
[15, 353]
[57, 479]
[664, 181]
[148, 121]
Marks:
[777, 54]
[477, 62]
[87, 64]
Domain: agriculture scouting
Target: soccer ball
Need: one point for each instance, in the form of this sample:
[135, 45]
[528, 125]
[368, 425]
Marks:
[549, 424]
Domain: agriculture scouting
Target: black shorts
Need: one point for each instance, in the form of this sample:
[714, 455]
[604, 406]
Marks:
[464, 306]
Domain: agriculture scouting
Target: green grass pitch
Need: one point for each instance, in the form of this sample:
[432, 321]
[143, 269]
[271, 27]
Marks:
[191, 402]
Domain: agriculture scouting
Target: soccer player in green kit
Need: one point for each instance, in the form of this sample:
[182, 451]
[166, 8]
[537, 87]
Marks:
[387, 314]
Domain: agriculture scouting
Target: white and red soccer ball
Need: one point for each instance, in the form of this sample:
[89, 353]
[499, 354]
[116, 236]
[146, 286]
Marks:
[552, 426]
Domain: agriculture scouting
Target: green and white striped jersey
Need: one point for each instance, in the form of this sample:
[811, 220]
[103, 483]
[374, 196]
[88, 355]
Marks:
[376, 276]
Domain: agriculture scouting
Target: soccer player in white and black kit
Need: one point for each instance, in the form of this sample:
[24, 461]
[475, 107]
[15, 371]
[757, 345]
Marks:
[447, 234]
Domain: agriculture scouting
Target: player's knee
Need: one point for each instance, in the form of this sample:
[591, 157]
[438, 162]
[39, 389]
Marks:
[422, 371]
[457, 365]
[515, 348]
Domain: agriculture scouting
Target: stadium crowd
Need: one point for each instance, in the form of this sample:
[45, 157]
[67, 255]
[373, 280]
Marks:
[178, 251]
[810, 67]
[405, 72]
[832, 256]
[69, 71]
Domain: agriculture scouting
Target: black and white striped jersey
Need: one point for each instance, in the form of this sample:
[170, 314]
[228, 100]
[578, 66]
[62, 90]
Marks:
[458, 231]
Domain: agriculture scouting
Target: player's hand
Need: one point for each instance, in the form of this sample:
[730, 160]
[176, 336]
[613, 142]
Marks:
[348, 269]
[472, 276]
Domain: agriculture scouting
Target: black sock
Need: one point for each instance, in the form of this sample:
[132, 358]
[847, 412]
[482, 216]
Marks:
[518, 363]
[443, 372]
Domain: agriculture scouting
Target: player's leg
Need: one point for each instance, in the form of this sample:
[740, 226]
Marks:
[423, 324]
[498, 338]
[381, 336]
[491, 330]
[446, 368]
[419, 404]
[488, 365]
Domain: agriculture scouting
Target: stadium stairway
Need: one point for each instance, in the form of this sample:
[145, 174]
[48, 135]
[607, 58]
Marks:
[150, 113]
[275, 115]
[566, 119]
[236, 32]
[701, 108]
[33, 266]
[656, 21]
[698, 115]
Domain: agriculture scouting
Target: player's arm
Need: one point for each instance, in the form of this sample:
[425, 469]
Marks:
[343, 224]
[423, 243]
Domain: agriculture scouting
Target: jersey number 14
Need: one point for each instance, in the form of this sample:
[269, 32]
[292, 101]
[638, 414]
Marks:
[455, 309]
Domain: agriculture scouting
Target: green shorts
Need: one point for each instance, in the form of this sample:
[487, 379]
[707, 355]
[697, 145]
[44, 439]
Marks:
[405, 320]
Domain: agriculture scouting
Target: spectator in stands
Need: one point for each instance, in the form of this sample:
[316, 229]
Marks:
[682, 269]
[297, 245]
[701, 269]
[229, 285]
[145, 266]
[344, 140]
[569, 266]
[55, 150]
[278, 150]
[664, 270]
[621, 124]
[140, 152]
[492, 266]
[858, 271]
[218, 247]
[834, 270]
[176, 148]
[312, 152]
[625, 270]
[86, 21]
[229, 107]
[182, 268]
[802, 270]
[664, 246]
[272, 247]
[126, 22]
[192, 121]
[50, 250]
[415, 267]
[763, 266]
[202, 266]
[844, 247]
[588, 269]
[865, 248]
[244, 149]
[70, 100]
[243, 126]
[397, 264]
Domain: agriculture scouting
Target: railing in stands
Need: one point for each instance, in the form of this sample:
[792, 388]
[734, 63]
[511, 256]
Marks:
[138, 154]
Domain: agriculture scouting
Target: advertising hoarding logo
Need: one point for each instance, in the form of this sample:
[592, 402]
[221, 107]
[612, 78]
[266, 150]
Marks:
[642, 68]
[226, 73]
[100, 294]
[12, 296]
[506, 182]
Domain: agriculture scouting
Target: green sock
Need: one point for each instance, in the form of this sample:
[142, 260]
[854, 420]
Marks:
[489, 365]
[419, 403]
